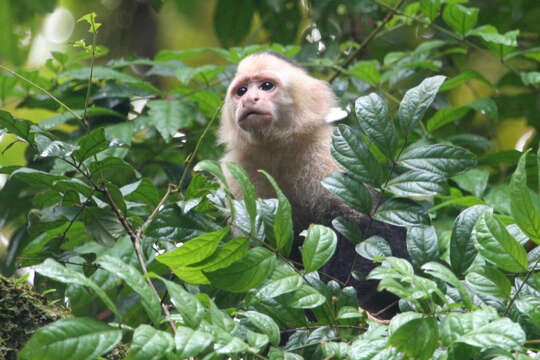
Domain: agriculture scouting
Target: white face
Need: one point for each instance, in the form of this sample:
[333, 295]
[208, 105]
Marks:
[254, 100]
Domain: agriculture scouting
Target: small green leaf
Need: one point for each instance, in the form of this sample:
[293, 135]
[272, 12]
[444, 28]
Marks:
[186, 304]
[463, 77]
[71, 338]
[284, 280]
[446, 116]
[422, 245]
[319, 246]
[141, 191]
[441, 272]
[36, 178]
[430, 8]
[376, 123]
[213, 167]
[248, 190]
[348, 228]
[18, 127]
[416, 183]
[150, 344]
[136, 282]
[102, 225]
[460, 18]
[523, 211]
[283, 226]
[367, 71]
[416, 102]
[91, 144]
[489, 280]
[493, 241]
[352, 192]
[374, 247]
[474, 181]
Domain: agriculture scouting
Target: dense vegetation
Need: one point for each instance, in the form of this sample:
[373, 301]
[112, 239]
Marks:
[119, 212]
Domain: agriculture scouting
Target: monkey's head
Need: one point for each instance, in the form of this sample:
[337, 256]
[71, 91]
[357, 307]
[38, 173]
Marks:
[271, 99]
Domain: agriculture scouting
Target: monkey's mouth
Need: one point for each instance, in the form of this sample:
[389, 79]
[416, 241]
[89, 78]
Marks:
[252, 115]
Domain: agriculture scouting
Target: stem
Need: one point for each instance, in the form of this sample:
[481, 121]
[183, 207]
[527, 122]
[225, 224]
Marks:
[46, 92]
[521, 287]
[364, 43]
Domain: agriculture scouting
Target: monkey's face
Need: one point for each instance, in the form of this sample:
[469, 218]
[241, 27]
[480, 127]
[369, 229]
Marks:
[259, 104]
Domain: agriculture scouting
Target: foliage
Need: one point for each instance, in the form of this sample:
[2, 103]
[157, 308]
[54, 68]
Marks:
[115, 216]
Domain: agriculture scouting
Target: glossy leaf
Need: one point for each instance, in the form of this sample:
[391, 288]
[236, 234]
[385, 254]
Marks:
[318, 247]
[168, 116]
[416, 102]
[150, 343]
[71, 338]
[91, 144]
[186, 304]
[401, 212]
[248, 190]
[422, 245]
[417, 338]
[416, 183]
[376, 123]
[190, 343]
[352, 192]
[489, 280]
[374, 247]
[460, 18]
[493, 241]
[440, 159]
[265, 324]
[443, 273]
[306, 298]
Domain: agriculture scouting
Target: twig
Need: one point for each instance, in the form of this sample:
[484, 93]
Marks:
[351, 57]
[521, 287]
[46, 92]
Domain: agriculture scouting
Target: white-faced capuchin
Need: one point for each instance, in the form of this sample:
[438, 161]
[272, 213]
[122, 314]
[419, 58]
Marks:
[274, 119]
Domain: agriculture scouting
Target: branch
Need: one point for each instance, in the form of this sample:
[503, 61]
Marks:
[364, 43]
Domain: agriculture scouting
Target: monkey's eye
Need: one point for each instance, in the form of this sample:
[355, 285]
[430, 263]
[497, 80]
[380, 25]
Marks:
[267, 85]
[241, 90]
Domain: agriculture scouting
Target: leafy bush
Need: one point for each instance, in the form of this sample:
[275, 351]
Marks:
[117, 208]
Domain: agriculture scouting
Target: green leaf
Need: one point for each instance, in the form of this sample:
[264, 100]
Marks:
[374, 247]
[48, 148]
[462, 250]
[422, 245]
[136, 282]
[186, 304]
[97, 168]
[213, 167]
[489, 280]
[58, 272]
[401, 212]
[353, 155]
[417, 338]
[190, 343]
[376, 124]
[474, 181]
[168, 116]
[150, 344]
[530, 305]
[284, 280]
[265, 324]
[493, 241]
[231, 19]
[530, 78]
[71, 338]
[18, 127]
[173, 225]
[36, 178]
[460, 18]
[446, 116]
[306, 297]
[367, 71]
[430, 8]
[54, 121]
[352, 192]
[444, 160]
[194, 250]
[98, 73]
[416, 183]
[416, 102]
[245, 274]
[348, 228]
[318, 247]
[283, 225]
[91, 144]
[502, 333]
[463, 77]
[485, 106]
[204, 74]
[441, 272]
[102, 225]
[248, 190]
[523, 211]
[142, 191]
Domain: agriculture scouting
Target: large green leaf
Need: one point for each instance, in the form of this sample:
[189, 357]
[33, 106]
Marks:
[190, 343]
[416, 102]
[186, 304]
[416, 183]
[460, 18]
[422, 245]
[489, 280]
[265, 324]
[417, 337]
[353, 155]
[376, 123]
[401, 212]
[494, 242]
[168, 116]
[71, 338]
[149, 343]
[318, 247]
[348, 189]
[521, 204]
[136, 282]
[444, 160]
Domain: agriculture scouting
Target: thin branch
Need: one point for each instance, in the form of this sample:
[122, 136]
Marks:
[521, 287]
[46, 92]
[364, 43]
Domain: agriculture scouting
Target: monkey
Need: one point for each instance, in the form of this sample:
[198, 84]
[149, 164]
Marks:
[273, 118]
